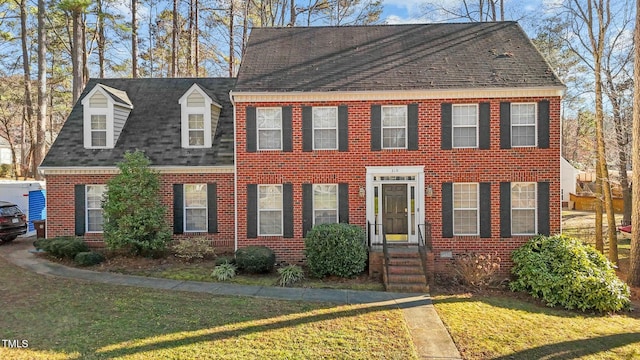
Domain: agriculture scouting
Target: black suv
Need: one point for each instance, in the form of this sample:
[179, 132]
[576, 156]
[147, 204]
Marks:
[13, 222]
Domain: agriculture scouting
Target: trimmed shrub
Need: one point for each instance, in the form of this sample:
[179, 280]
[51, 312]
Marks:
[63, 246]
[191, 249]
[255, 259]
[88, 258]
[563, 271]
[335, 249]
[290, 275]
[224, 272]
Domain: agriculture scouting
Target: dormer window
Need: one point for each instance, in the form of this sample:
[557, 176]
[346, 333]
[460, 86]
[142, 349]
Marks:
[200, 112]
[105, 112]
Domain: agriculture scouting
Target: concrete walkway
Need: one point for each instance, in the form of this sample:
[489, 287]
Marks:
[431, 338]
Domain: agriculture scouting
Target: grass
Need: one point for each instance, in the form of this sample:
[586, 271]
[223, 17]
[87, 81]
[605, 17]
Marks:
[495, 327]
[71, 319]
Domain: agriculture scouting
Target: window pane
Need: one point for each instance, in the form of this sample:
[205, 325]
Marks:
[196, 137]
[523, 195]
[464, 115]
[94, 194]
[99, 122]
[523, 222]
[464, 136]
[325, 139]
[393, 138]
[465, 222]
[270, 222]
[196, 219]
[325, 197]
[196, 121]
[269, 139]
[98, 138]
[95, 221]
[269, 118]
[325, 117]
[270, 197]
[523, 114]
[523, 136]
[195, 195]
[394, 116]
[325, 217]
[465, 196]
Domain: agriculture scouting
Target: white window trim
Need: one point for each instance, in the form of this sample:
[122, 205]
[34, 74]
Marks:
[535, 209]
[87, 208]
[204, 111]
[382, 127]
[453, 126]
[281, 209]
[313, 127]
[477, 209]
[88, 111]
[313, 202]
[258, 131]
[535, 124]
[185, 208]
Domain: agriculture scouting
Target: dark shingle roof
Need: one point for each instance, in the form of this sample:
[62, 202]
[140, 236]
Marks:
[153, 126]
[392, 57]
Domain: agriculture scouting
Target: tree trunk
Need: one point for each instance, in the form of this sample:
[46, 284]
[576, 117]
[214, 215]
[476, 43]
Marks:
[28, 103]
[101, 39]
[598, 209]
[231, 42]
[76, 56]
[41, 142]
[134, 39]
[85, 54]
[633, 277]
[174, 41]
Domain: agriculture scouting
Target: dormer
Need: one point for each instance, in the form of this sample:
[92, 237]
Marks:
[200, 112]
[105, 111]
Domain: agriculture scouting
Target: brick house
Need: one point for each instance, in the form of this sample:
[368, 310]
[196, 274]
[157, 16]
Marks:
[446, 135]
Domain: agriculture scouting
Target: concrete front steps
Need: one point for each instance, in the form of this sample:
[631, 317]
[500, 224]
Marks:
[406, 273]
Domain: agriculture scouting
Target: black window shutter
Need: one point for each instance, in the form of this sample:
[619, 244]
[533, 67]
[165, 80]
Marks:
[252, 132]
[445, 125]
[343, 203]
[307, 128]
[543, 124]
[212, 204]
[252, 211]
[376, 127]
[505, 125]
[485, 126]
[543, 208]
[287, 131]
[343, 128]
[485, 210]
[505, 209]
[178, 209]
[307, 208]
[412, 117]
[287, 210]
[80, 209]
[447, 210]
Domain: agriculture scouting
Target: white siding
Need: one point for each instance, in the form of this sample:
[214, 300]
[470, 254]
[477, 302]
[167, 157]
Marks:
[195, 100]
[215, 115]
[120, 115]
[98, 101]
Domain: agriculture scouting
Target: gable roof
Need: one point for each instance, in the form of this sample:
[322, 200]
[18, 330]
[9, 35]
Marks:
[117, 95]
[153, 126]
[392, 57]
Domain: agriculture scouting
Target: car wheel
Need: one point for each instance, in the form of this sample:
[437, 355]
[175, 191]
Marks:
[9, 238]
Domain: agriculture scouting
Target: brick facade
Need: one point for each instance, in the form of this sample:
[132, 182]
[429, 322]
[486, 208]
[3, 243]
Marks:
[493, 165]
[61, 205]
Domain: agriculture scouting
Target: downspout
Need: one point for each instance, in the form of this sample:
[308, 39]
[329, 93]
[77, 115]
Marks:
[235, 175]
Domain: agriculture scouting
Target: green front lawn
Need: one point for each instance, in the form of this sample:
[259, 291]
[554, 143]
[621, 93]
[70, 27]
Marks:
[502, 327]
[62, 319]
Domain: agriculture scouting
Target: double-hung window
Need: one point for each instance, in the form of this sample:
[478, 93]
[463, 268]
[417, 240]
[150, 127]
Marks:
[195, 207]
[325, 204]
[98, 130]
[523, 208]
[269, 125]
[196, 129]
[270, 210]
[465, 209]
[94, 215]
[394, 127]
[465, 126]
[325, 128]
[523, 124]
